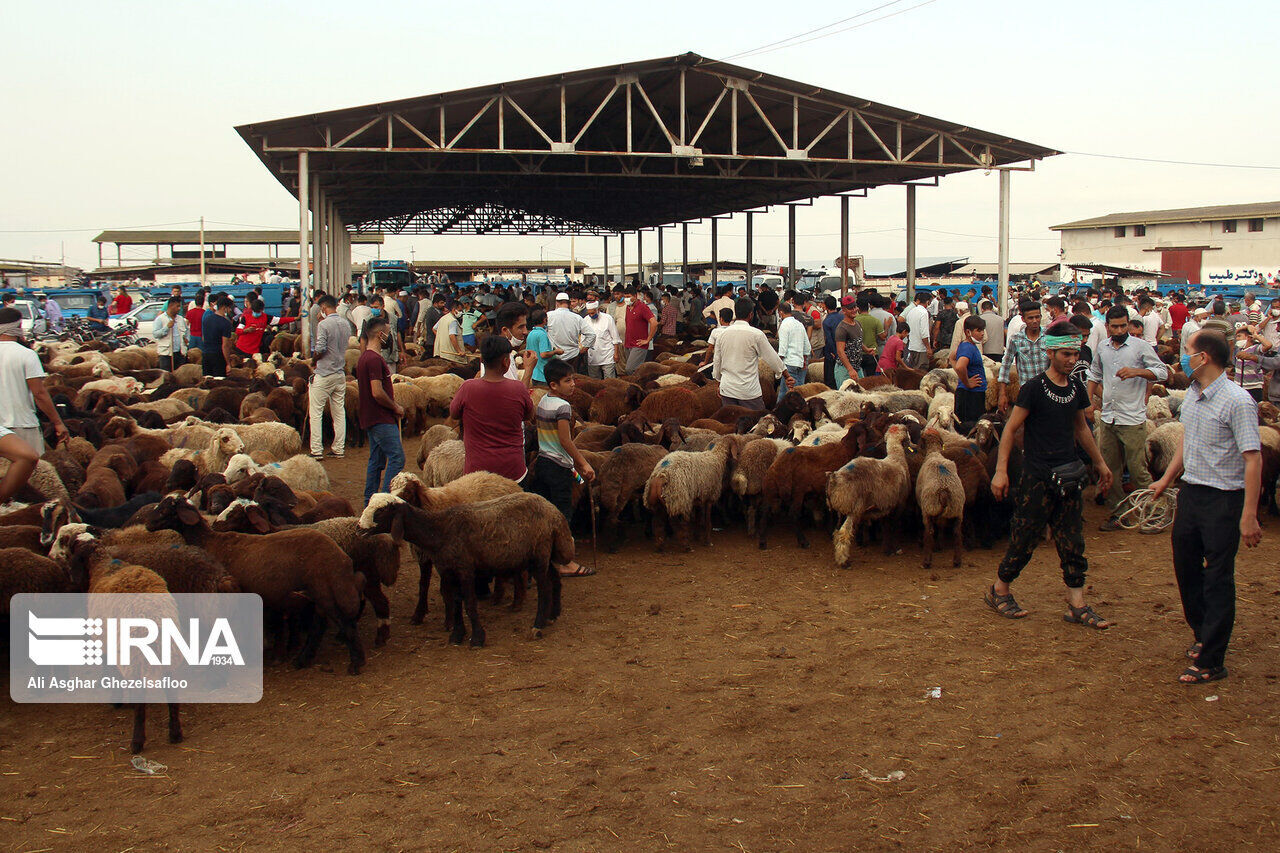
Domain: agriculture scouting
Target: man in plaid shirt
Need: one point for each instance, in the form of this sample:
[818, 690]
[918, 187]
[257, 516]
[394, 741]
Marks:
[1221, 465]
[1023, 350]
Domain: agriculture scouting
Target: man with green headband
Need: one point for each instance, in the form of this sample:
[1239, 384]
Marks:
[1051, 407]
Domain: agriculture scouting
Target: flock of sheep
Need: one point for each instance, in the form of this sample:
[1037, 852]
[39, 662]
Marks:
[178, 483]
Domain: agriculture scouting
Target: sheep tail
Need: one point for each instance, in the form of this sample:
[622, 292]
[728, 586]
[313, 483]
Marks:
[653, 496]
[562, 547]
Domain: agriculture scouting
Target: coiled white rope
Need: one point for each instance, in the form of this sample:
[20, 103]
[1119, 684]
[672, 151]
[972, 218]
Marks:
[1145, 513]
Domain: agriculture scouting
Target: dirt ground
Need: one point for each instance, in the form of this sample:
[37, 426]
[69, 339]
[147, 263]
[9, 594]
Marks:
[729, 699]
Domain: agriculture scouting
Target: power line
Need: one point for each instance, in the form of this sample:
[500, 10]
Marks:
[767, 49]
[817, 29]
[95, 228]
[1174, 162]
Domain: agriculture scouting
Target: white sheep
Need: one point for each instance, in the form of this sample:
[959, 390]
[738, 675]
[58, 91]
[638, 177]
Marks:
[300, 472]
[444, 463]
[1163, 442]
[223, 444]
[940, 496]
[684, 486]
[1157, 408]
[942, 410]
[868, 489]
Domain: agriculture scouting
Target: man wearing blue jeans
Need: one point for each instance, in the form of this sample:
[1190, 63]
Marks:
[793, 346]
[379, 412]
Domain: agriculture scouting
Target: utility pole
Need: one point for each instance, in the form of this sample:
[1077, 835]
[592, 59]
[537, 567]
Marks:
[202, 276]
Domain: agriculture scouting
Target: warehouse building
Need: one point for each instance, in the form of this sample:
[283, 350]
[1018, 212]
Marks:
[1224, 244]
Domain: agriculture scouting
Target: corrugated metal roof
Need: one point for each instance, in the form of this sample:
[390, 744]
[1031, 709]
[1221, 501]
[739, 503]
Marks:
[1254, 210]
[1014, 269]
[226, 238]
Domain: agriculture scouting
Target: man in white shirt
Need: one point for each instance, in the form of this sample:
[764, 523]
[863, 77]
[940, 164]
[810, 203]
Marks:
[603, 355]
[917, 318]
[359, 314]
[793, 346]
[169, 331]
[568, 331]
[22, 386]
[736, 362]
[1150, 321]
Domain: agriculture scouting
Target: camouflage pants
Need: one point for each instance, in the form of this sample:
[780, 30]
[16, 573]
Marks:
[1036, 503]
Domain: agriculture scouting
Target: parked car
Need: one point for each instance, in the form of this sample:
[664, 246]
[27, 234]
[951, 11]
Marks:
[141, 315]
[33, 322]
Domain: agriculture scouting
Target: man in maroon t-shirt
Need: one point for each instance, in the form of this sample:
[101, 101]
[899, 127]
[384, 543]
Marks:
[641, 326]
[490, 412]
[379, 411]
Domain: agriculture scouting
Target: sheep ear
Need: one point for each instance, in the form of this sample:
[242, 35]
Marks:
[258, 519]
[188, 515]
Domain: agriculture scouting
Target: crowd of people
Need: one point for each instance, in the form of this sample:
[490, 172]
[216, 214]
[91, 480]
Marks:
[1085, 365]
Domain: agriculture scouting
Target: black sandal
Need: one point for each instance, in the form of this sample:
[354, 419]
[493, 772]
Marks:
[1005, 605]
[1201, 676]
[1193, 650]
[1085, 616]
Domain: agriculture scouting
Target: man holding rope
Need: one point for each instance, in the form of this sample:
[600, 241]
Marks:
[1051, 406]
[1220, 461]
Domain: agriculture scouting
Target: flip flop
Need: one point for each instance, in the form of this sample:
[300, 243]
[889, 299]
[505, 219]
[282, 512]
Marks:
[582, 572]
[1202, 676]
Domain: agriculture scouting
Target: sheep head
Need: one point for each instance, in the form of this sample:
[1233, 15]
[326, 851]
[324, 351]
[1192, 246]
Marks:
[243, 516]
[174, 512]
[384, 514]
[240, 466]
[409, 488]
[62, 544]
[55, 515]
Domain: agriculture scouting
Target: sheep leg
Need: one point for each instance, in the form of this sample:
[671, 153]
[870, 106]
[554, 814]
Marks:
[618, 535]
[659, 527]
[424, 587]
[350, 637]
[749, 511]
[706, 525]
[499, 591]
[452, 602]
[518, 590]
[381, 608]
[556, 583]
[473, 613]
[762, 524]
[684, 527]
[541, 572]
[175, 724]
[139, 728]
[315, 633]
[928, 542]
[956, 526]
[888, 527]
[797, 520]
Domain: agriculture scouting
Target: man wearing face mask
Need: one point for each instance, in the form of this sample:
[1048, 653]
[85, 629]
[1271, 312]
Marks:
[1118, 376]
[641, 326]
[449, 345]
[512, 321]
[1220, 462]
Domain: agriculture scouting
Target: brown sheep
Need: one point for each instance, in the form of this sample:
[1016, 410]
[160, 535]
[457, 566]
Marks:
[799, 474]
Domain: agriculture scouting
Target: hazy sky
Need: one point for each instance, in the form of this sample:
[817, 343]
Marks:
[121, 115]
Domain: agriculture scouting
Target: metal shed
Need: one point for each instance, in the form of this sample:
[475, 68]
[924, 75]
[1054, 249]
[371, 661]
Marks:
[609, 150]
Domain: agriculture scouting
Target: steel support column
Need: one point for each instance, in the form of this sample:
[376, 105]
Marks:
[751, 224]
[791, 277]
[606, 261]
[640, 257]
[844, 246]
[715, 252]
[662, 268]
[622, 256]
[911, 243]
[684, 251]
[1002, 294]
[304, 238]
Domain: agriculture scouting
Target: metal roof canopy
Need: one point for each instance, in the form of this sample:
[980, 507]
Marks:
[221, 238]
[613, 149]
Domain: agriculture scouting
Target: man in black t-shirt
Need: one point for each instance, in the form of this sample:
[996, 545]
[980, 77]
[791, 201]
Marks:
[1051, 406]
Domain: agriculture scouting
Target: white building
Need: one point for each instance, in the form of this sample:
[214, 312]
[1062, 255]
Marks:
[1231, 243]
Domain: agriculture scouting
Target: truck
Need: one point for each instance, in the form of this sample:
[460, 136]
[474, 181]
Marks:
[388, 274]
